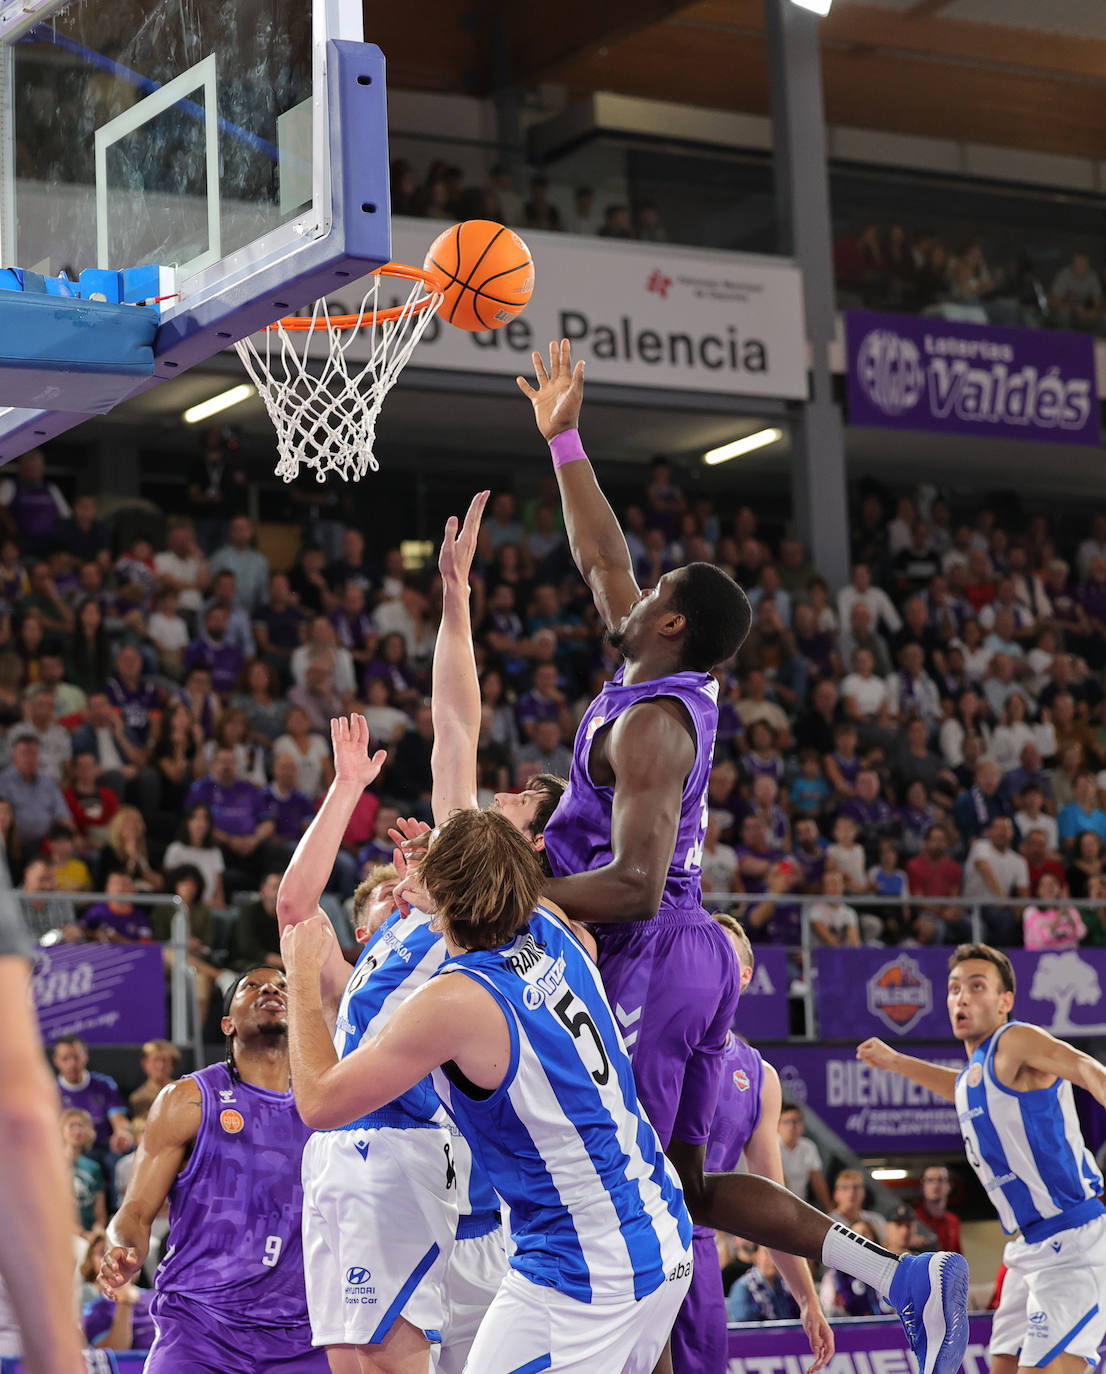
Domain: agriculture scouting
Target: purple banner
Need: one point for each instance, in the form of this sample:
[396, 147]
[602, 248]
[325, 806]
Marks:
[922, 372]
[901, 993]
[107, 994]
[762, 1012]
[873, 1111]
[865, 1345]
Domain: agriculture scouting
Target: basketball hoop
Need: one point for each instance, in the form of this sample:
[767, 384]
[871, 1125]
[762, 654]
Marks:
[327, 422]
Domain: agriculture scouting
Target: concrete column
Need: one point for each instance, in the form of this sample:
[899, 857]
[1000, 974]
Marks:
[818, 485]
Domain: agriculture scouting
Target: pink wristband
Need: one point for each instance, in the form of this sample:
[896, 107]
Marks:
[566, 448]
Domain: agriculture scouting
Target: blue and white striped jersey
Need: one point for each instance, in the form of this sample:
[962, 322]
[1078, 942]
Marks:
[596, 1209]
[401, 956]
[1027, 1149]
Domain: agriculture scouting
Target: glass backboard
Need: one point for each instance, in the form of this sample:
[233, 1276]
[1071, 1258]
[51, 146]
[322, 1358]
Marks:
[213, 136]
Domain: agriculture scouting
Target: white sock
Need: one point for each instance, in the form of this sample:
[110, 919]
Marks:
[863, 1259]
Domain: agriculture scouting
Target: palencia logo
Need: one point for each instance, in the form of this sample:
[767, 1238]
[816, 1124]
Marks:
[900, 994]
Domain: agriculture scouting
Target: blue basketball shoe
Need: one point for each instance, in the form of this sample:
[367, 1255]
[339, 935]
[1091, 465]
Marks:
[930, 1294]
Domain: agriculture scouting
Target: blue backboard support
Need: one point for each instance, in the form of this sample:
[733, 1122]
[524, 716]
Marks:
[294, 205]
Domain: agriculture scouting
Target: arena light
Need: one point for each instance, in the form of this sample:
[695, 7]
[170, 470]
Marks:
[761, 439]
[225, 399]
[889, 1175]
[819, 7]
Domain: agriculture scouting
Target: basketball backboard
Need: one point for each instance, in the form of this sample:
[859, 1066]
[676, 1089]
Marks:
[242, 142]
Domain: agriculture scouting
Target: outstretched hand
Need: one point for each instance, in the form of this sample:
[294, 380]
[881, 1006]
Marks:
[820, 1335]
[560, 391]
[455, 557]
[350, 740]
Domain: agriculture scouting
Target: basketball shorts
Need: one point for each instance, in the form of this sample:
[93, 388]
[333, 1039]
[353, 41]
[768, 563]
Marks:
[699, 1339]
[476, 1268]
[531, 1327]
[1052, 1297]
[191, 1339]
[673, 983]
[379, 1220]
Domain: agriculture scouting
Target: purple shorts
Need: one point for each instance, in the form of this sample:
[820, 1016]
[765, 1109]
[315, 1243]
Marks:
[699, 1339]
[191, 1339]
[673, 983]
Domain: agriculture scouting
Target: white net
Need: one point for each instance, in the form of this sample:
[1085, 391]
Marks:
[322, 401]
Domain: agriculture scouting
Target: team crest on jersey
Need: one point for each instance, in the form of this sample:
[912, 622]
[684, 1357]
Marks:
[975, 1075]
[231, 1121]
[741, 1080]
[596, 723]
[900, 994]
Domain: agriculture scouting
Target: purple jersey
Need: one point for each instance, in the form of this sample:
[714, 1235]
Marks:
[738, 1112]
[234, 1211]
[136, 707]
[578, 836]
[99, 1096]
[132, 924]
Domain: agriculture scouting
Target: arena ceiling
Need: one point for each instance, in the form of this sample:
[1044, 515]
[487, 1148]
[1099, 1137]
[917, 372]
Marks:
[1027, 74]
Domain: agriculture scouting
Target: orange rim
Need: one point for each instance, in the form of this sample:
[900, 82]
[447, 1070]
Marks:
[303, 323]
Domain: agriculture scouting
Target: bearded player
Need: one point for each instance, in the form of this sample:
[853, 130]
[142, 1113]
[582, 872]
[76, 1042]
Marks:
[624, 845]
[224, 1145]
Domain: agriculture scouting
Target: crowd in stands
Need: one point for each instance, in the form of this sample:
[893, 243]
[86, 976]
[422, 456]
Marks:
[442, 194]
[890, 268]
[935, 728]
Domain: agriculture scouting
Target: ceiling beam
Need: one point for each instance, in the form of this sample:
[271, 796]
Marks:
[541, 41]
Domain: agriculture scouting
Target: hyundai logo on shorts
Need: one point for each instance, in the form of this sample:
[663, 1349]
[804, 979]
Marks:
[357, 1277]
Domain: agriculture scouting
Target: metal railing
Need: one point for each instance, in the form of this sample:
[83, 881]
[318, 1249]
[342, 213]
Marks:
[45, 913]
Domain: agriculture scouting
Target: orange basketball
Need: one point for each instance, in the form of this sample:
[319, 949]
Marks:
[488, 274]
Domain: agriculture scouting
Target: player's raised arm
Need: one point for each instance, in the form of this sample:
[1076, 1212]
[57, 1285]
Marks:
[455, 690]
[594, 534]
[310, 867]
[172, 1126]
[651, 753]
[762, 1154]
[939, 1080]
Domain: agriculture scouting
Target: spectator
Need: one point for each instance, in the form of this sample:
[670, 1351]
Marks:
[195, 846]
[126, 851]
[387, 723]
[539, 212]
[809, 792]
[584, 218]
[55, 743]
[887, 879]
[187, 883]
[912, 692]
[1041, 860]
[867, 702]
[353, 624]
[31, 507]
[182, 566]
[95, 1093]
[168, 632]
[1052, 924]
[291, 809]
[979, 806]
[879, 604]
[322, 645]
[649, 226]
[259, 698]
[848, 1203]
[216, 488]
[313, 766]
[932, 1211]
[159, 1061]
[934, 873]
[1031, 815]
[122, 1322]
[875, 818]
[89, 1185]
[408, 777]
[242, 824]
[213, 650]
[1075, 296]
[847, 855]
[134, 696]
[802, 1164]
[91, 804]
[84, 535]
[116, 921]
[250, 568]
[1087, 864]
[278, 625]
[35, 798]
[758, 704]
[761, 1295]
[994, 870]
[545, 752]
[255, 940]
[616, 223]
[71, 873]
[719, 861]
[832, 920]
[1082, 813]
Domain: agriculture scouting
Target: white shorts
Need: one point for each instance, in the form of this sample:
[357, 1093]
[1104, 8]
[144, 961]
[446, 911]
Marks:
[473, 1276]
[1052, 1297]
[379, 1220]
[530, 1327]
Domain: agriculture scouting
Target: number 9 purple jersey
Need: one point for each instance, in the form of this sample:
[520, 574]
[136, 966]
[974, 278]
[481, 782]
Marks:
[578, 836]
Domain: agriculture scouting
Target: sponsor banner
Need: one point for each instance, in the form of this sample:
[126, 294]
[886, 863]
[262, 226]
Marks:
[106, 994]
[651, 315]
[872, 1110]
[864, 1345]
[901, 993]
[920, 372]
[762, 1013]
